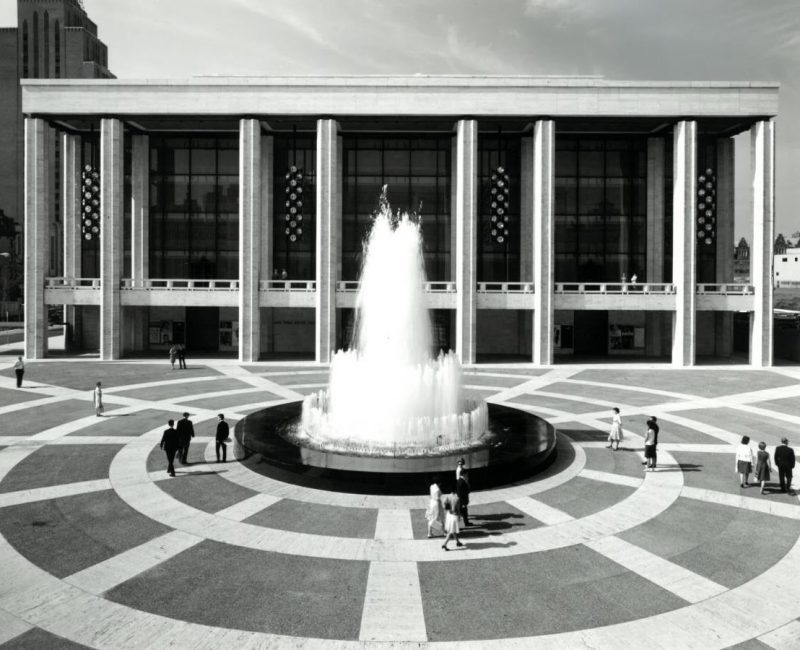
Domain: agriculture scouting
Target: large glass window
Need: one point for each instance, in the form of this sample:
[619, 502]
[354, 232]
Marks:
[499, 262]
[600, 209]
[194, 207]
[417, 170]
[297, 258]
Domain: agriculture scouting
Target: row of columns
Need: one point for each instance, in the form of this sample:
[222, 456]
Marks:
[255, 244]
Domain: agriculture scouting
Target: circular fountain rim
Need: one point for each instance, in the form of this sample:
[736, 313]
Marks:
[534, 448]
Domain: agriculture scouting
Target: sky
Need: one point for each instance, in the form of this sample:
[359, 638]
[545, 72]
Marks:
[737, 40]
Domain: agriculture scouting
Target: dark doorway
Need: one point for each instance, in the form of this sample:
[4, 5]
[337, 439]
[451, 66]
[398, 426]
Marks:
[591, 333]
[202, 329]
[741, 332]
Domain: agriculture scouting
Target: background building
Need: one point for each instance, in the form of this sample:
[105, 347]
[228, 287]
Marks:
[54, 39]
[594, 182]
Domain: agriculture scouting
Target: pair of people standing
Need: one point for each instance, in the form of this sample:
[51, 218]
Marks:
[651, 444]
[447, 512]
[177, 351]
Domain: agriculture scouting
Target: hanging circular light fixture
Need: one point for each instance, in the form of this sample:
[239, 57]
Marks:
[90, 202]
[706, 206]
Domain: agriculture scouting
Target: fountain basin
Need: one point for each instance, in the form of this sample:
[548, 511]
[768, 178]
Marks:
[516, 446]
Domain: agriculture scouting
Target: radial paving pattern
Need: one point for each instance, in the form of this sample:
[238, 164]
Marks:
[100, 548]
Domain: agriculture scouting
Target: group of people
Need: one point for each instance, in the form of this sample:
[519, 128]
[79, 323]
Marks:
[177, 351]
[447, 512]
[784, 461]
[616, 435]
[746, 461]
[177, 438]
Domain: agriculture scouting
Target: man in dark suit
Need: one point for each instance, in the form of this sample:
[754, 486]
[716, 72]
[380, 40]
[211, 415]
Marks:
[784, 461]
[222, 436]
[170, 444]
[185, 434]
[462, 490]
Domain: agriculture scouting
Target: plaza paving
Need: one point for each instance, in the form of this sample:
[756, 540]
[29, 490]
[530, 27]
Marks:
[100, 548]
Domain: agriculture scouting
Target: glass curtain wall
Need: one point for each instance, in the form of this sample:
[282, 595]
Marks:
[194, 207]
[297, 258]
[600, 209]
[499, 262]
[417, 170]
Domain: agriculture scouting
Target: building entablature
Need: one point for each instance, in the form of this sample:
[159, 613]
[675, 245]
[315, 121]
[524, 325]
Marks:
[401, 95]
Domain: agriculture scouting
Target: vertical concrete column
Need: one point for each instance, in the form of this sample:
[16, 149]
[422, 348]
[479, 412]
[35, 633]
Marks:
[140, 209]
[543, 238]
[38, 215]
[267, 221]
[466, 238]
[328, 224]
[725, 222]
[71, 209]
[684, 241]
[763, 165]
[111, 230]
[250, 233]
[526, 252]
[654, 321]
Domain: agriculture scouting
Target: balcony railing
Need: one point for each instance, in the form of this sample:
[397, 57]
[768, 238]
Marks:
[505, 287]
[351, 286]
[724, 289]
[72, 283]
[288, 285]
[189, 285]
[613, 288]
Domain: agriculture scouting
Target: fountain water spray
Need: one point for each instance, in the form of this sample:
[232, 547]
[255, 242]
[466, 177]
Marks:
[387, 394]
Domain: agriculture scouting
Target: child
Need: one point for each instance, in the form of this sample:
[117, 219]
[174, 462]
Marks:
[763, 465]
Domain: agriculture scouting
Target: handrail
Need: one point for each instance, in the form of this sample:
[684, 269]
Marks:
[172, 283]
[725, 289]
[614, 288]
[71, 283]
[505, 287]
[351, 286]
[288, 285]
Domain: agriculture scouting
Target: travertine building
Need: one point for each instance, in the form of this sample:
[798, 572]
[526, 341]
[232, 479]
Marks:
[562, 216]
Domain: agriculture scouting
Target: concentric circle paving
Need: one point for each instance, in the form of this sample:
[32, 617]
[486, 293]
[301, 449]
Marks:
[100, 548]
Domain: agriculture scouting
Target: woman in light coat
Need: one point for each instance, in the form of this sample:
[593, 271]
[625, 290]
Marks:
[744, 461]
[615, 435]
[97, 400]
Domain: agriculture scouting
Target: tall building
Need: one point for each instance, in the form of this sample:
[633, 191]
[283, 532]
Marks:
[53, 39]
[562, 217]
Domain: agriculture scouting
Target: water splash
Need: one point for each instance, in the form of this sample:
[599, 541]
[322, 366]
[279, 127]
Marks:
[387, 391]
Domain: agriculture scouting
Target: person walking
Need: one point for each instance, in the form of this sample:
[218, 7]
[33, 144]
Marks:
[744, 461]
[451, 510]
[19, 370]
[181, 356]
[173, 354]
[459, 468]
[434, 514]
[615, 435]
[170, 444]
[222, 437]
[650, 448]
[784, 461]
[763, 465]
[185, 430]
[97, 399]
[463, 490]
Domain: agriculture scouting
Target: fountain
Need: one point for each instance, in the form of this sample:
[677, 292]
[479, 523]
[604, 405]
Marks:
[392, 414]
[387, 394]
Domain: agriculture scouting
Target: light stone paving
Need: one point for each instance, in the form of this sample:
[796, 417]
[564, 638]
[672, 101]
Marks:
[765, 608]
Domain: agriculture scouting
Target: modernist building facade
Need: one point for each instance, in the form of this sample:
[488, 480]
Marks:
[561, 216]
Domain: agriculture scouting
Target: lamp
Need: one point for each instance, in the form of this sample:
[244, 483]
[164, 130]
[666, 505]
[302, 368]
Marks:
[706, 207]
